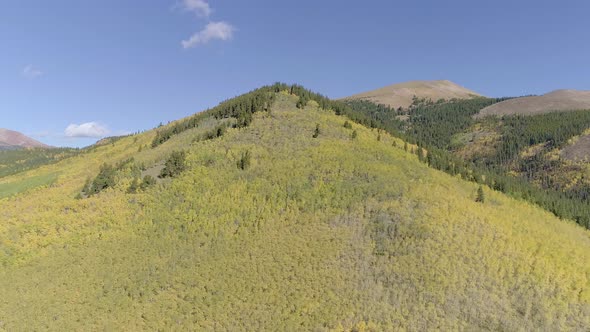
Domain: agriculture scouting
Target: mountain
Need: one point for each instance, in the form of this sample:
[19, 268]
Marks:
[555, 101]
[541, 158]
[274, 217]
[402, 94]
[10, 139]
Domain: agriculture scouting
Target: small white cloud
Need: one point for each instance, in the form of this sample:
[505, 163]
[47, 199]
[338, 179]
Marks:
[31, 72]
[89, 129]
[199, 7]
[213, 30]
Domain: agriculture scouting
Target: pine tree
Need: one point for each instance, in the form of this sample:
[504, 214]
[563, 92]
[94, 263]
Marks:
[353, 135]
[174, 165]
[480, 195]
[244, 161]
[420, 154]
[316, 132]
[105, 179]
[87, 186]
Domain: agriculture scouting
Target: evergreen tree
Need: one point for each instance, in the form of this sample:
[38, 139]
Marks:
[244, 162]
[420, 153]
[87, 186]
[480, 195]
[316, 132]
[105, 179]
[174, 165]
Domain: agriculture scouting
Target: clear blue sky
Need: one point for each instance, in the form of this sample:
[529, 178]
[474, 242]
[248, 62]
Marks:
[121, 65]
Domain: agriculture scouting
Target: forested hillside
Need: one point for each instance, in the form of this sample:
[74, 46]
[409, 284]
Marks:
[517, 155]
[19, 160]
[275, 211]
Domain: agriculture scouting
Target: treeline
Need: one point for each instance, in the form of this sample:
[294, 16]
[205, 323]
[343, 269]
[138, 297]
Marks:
[424, 122]
[432, 125]
[20, 160]
[109, 176]
[373, 115]
[570, 205]
[552, 129]
[241, 108]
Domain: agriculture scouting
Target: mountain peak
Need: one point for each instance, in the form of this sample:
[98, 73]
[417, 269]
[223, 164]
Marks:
[563, 100]
[14, 139]
[401, 94]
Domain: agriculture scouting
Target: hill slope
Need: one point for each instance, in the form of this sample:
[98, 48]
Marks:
[556, 101]
[402, 94]
[11, 139]
[327, 233]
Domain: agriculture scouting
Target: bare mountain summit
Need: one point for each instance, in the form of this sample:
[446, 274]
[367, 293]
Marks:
[401, 94]
[555, 101]
[10, 139]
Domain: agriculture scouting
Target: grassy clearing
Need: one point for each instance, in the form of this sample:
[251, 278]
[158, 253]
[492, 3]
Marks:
[19, 186]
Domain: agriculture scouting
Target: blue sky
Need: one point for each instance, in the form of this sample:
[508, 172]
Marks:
[90, 68]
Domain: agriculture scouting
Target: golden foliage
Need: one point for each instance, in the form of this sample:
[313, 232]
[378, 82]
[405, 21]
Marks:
[325, 234]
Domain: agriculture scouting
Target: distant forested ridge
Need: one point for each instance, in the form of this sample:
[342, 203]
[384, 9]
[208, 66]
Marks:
[14, 161]
[435, 125]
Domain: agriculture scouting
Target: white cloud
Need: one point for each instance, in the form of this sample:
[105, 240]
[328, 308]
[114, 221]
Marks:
[89, 129]
[213, 30]
[31, 72]
[199, 7]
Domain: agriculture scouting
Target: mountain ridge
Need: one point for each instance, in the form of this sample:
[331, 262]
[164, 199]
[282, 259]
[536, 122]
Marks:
[402, 94]
[561, 100]
[10, 139]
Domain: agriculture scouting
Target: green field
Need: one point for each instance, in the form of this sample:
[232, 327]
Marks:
[17, 161]
[19, 186]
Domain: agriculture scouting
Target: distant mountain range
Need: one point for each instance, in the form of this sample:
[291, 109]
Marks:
[555, 101]
[10, 139]
[402, 94]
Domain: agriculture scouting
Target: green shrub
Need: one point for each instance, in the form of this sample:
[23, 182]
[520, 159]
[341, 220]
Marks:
[105, 179]
[244, 161]
[174, 165]
[147, 182]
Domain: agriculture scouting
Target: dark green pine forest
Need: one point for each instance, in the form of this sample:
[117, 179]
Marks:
[440, 127]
